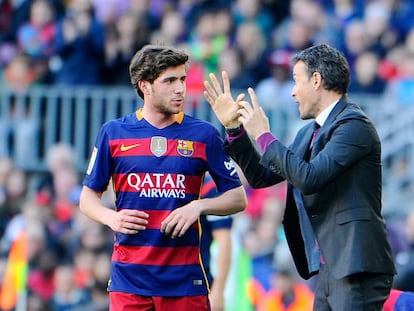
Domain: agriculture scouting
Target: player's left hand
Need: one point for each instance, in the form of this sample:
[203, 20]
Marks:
[221, 100]
[179, 220]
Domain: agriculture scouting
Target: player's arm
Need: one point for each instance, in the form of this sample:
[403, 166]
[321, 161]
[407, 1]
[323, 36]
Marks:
[227, 203]
[124, 221]
[222, 237]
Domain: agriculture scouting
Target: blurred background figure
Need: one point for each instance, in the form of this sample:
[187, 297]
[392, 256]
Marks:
[287, 293]
[79, 46]
[68, 296]
[366, 78]
[274, 93]
[123, 39]
[36, 38]
[405, 258]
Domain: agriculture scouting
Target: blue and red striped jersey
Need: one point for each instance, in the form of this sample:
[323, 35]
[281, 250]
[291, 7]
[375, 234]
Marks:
[210, 223]
[157, 171]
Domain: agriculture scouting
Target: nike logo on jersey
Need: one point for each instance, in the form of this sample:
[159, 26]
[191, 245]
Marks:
[129, 147]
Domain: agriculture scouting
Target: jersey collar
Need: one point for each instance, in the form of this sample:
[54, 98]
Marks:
[179, 118]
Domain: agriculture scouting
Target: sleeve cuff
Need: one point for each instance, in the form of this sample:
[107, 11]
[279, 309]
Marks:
[232, 137]
[264, 140]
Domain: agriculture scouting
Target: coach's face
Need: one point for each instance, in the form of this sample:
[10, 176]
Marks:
[305, 91]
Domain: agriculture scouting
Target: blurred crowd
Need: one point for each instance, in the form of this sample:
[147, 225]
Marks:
[90, 42]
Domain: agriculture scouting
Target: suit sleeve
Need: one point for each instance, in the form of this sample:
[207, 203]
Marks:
[244, 153]
[339, 148]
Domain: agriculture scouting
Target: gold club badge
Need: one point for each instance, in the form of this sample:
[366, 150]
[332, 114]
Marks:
[185, 148]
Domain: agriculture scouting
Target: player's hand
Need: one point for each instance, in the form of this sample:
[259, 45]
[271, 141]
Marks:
[128, 221]
[179, 220]
[253, 116]
[221, 100]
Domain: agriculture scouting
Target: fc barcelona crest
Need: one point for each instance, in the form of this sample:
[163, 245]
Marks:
[185, 148]
[158, 145]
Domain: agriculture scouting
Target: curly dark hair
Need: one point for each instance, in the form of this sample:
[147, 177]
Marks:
[152, 60]
[330, 63]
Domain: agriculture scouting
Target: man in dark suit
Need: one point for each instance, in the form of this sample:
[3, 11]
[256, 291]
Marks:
[332, 220]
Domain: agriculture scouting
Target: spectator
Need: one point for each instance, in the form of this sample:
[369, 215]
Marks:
[377, 25]
[19, 127]
[287, 293]
[36, 37]
[274, 93]
[356, 41]
[128, 34]
[405, 259]
[6, 167]
[67, 295]
[366, 78]
[100, 274]
[108, 12]
[40, 280]
[296, 31]
[231, 60]
[172, 30]
[253, 11]
[204, 43]
[399, 92]
[79, 46]
[60, 156]
[143, 10]
[16, 191]
[20, 73]
[252, 47]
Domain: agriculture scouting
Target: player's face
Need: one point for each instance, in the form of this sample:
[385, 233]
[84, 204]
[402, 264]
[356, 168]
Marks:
[168, 90]
[304, 92]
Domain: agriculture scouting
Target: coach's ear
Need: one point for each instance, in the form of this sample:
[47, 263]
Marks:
[317, 80]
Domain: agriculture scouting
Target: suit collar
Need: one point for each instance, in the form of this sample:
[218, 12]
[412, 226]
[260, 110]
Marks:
[340, 106]
[321, 118]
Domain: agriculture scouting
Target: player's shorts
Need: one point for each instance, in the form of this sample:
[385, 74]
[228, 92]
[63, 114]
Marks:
[129, 302]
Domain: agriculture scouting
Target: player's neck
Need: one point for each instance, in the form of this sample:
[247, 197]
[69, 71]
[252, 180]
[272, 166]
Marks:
[158, 119]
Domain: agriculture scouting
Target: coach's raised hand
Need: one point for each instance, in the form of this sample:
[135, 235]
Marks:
[221, 100]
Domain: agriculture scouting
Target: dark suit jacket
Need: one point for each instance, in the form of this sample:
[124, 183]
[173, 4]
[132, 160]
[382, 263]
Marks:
[341, 186]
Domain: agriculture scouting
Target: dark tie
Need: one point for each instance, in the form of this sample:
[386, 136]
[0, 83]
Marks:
[316, 129]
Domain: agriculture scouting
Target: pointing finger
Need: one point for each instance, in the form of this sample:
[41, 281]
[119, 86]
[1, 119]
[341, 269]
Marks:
[253, 97]
[226, 82]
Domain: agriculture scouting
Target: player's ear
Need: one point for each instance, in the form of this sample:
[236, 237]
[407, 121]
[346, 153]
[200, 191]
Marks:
[144, 86]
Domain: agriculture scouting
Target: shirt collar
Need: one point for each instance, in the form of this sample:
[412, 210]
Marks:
[321, 118]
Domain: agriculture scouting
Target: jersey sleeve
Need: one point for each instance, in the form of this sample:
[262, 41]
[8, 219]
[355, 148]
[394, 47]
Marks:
[221, 167]
[100, 165]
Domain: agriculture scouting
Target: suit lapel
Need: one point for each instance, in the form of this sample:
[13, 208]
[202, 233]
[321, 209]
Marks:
[340, 106]
[305, 142]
